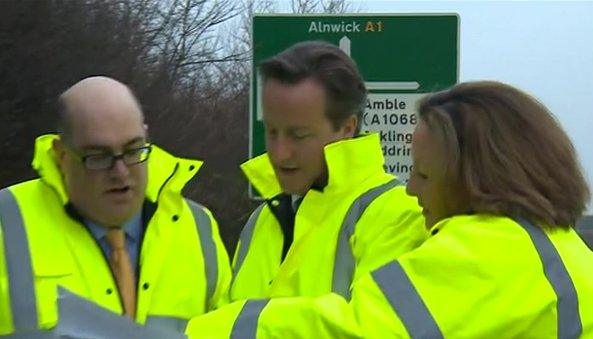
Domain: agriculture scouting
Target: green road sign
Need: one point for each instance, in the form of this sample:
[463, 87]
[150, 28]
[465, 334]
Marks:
[401, 57]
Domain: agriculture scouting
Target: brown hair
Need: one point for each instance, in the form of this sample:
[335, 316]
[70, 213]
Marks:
[333, 69]
[506, 153]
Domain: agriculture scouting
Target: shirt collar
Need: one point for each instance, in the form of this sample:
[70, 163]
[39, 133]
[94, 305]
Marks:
[131, 228]
[295, 201]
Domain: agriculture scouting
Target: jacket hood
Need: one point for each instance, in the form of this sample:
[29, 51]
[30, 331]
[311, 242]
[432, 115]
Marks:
[165, 171]
[349, 162]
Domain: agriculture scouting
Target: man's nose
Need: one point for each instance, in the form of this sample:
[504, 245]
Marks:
[411, 187]
[282, 149]
[119, 167]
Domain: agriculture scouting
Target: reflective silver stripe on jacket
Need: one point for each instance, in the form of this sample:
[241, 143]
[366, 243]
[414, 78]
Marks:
[406, 302]
[245, 239]
[208, 248]
[167, 323]
[81, 318]
[345, 263]
[18, 263]
[569, 320]
[245, 326]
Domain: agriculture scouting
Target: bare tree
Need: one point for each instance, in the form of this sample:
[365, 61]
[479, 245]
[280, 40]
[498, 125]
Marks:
[320, 6]
[187, 60]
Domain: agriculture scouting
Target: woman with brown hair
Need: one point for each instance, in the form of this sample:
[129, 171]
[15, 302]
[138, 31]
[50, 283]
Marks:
[500, 187]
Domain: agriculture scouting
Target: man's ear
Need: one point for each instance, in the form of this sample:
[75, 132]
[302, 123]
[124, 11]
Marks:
[349, 126]
[59, 150]
[146, 137]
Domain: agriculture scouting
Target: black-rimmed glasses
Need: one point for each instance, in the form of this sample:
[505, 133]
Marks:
[103, 161]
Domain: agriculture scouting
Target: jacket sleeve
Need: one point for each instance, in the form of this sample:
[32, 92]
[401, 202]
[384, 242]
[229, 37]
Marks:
[391, 226]
[327, 316]
[369, 314]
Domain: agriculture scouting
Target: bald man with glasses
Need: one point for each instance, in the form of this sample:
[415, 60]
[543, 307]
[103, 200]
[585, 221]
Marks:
[106, 222]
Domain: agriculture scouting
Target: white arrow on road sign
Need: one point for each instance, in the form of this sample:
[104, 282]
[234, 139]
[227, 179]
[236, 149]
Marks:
[258, 103]
[393, 85]
[345, 45]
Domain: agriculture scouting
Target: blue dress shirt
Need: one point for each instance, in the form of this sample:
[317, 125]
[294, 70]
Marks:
[133, 231]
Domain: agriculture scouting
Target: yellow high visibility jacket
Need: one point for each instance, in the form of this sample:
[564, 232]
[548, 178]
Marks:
[483, 276]
[478, 276]
[362, 219]
[183, 272]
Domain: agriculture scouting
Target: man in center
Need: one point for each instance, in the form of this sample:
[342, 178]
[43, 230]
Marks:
[331, 213]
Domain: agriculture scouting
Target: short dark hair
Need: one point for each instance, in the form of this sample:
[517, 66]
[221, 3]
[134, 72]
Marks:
[506, 153]
[331, 68]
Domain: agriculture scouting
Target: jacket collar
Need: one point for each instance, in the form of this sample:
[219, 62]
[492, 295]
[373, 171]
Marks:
[165, 171]
[348, 161]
